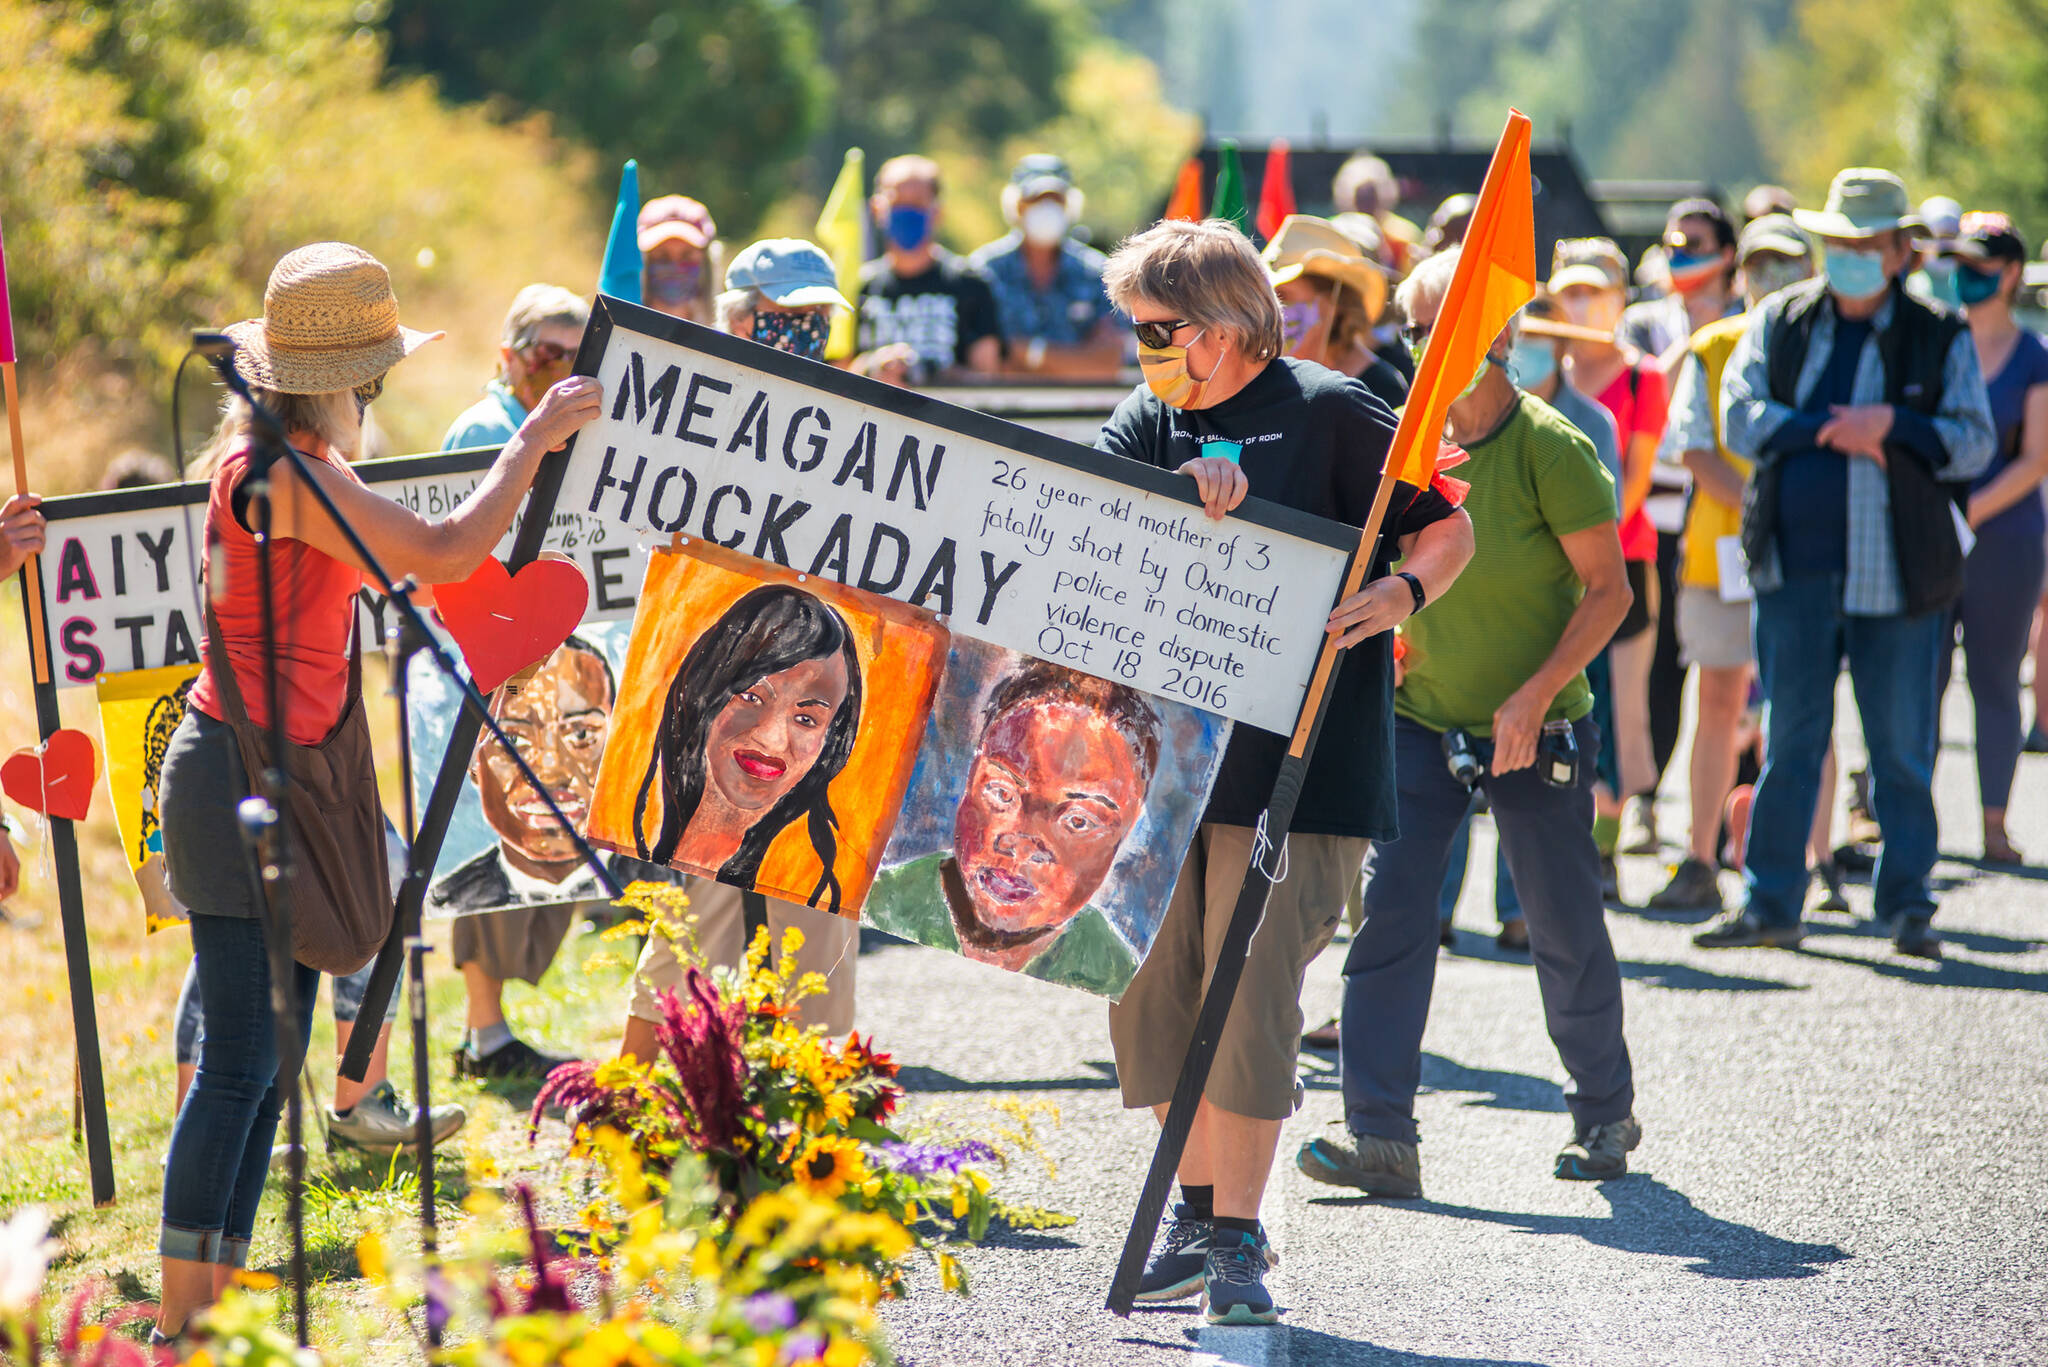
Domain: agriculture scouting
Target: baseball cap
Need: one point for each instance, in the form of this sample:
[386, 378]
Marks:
[675, 217]
[1041, 173]
[1594, 261]
[788, 270]
[1986, 237]
[1773, 233]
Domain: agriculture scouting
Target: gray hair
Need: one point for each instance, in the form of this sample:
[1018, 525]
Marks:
[733, 305]
[538, 306]
[1207, 273]
[1429, 281]
[333, 418]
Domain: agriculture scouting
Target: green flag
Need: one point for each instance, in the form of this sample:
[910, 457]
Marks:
[1229, 200]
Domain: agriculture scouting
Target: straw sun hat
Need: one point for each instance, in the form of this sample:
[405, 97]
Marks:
[330, 322]
[1307, 245]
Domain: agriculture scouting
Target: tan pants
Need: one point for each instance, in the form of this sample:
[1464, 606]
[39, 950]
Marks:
[831, 947]
[1253, 1074]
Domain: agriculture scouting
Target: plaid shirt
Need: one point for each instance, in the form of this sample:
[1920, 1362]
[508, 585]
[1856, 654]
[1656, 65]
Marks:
[1960, 434]
[1066, 313]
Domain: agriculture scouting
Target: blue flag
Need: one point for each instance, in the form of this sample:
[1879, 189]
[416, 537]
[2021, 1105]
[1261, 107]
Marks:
[620, 277]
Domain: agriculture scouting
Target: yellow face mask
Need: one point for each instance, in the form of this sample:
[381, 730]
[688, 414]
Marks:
[1166, 374]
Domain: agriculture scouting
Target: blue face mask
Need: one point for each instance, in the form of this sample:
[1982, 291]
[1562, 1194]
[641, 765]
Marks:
[909, 228]
[1974, 286]
[1532, 362]
[1855, 274]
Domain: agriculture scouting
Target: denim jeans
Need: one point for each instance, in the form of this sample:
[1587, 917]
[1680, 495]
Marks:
[220, 1145]
[1802, 636]
[1506, 905]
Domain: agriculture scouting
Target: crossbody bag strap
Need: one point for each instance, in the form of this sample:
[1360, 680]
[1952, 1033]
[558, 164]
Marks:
[225, 684]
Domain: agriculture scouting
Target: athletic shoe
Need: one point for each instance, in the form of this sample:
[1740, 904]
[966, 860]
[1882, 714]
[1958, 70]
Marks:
[1513, 937]
[1693, 887]
[1234, 1280]
[1835, 899]
[1737, 929]
[1915, 938]
[1639, 823]
[1175, 1272]
[379, 1124]
[1599, 1152]
[1376, 1166]
[514, 1060]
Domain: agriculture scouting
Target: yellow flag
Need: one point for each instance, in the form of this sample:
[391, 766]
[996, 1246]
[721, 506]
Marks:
[843, 233]
[138, 712]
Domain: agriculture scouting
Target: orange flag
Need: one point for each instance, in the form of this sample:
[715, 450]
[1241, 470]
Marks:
[1496, 275]
[1276, 190]
[1186, 199]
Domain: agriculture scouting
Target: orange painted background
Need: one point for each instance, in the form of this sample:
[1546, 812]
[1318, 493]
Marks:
[901, 650]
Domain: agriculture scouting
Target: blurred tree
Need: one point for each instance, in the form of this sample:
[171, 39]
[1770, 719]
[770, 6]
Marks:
[716, 98]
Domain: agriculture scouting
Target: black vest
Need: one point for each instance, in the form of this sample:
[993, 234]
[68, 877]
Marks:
[1914, 349]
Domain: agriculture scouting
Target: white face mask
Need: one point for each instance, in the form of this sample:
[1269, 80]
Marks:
[1044, 223]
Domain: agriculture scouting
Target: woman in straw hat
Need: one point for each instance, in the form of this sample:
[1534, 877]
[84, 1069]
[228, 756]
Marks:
[317, 358]
[1331, 295]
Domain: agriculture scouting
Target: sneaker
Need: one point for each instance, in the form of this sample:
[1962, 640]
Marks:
[1599, 1152]
[381, 1125]
[1739, 930]
[1175, 1272]
[1834, 899]
[1639, 826]
[1234, 1280]
[1916, 938]
[1513, 937]
[1610, 880]
[1694, 886]
[1376, 1166]
[515, 1060]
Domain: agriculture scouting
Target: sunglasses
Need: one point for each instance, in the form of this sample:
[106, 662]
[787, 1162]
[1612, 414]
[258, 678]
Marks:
[547, 353]
[1417, 337]
[1159, 332]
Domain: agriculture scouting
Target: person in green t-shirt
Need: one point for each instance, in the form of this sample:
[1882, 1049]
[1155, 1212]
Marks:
[1498, 654]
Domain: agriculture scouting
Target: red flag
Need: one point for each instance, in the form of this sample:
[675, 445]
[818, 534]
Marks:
[1186, 199]
[6, 311]
[1496, 274]
[1276, 191]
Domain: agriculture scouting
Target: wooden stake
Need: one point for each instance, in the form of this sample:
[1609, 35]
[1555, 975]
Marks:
[32, 568]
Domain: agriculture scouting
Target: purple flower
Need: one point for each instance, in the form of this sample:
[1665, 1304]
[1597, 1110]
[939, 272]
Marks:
[803, 1348]
[769, 1312]
[930, 1160]
[437, 1300]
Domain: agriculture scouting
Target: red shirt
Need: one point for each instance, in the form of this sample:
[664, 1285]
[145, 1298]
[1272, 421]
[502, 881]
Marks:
[316, 602]
[1637, 408]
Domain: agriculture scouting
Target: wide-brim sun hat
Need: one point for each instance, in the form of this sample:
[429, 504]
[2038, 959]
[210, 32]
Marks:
[1863, 201]
[330, 322]
[1307, 245]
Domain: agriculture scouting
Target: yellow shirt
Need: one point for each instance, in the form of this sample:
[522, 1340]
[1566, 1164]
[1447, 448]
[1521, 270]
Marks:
[1708, 519]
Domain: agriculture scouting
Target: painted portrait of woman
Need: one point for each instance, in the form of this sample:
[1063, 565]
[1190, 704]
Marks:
[760, 717]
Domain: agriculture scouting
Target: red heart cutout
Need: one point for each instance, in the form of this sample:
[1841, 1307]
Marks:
[505, 622]
[57, 781]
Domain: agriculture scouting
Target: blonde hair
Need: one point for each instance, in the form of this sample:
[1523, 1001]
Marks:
[1207, 273]
[333, 418]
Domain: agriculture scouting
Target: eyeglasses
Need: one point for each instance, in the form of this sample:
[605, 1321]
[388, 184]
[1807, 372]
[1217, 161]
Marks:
[547, 353]
[1158, 332]
[1417, 336]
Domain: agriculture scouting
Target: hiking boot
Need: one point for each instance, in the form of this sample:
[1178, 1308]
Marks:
[514, 1060]
[1513, 937]
[1639, 826]
[1234, 1280]
[1175, 1272]
[1376, 1166]
[1694, 886]
[1599, 1152]
[381, 1125]
[1834, 899]
[1916, 938]
[1739, 930]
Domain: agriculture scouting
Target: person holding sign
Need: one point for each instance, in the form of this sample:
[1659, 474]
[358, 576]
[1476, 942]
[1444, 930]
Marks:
[317, 359]
[1221, 405]
[21, 536]
[1494, 692]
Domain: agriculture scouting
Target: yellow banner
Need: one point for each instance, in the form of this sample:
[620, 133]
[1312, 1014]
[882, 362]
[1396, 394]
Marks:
[138, 712]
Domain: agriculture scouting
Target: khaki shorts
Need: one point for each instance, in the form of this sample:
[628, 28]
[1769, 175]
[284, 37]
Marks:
[831, 947]
[1712, 634]
[516, 944]
[1253, 1074]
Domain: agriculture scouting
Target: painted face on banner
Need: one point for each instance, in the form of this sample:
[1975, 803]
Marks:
[559, 723]
[1053, 791]
[767, 736]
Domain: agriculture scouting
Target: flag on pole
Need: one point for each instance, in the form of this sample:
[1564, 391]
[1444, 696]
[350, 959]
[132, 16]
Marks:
[1495, 276]
[620, 275]
[1186, 200]
[843, 233]
[1230, 188]
[1276, 191]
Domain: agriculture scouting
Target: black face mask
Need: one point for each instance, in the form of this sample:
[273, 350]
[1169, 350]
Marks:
[366, 394]
[799, 334]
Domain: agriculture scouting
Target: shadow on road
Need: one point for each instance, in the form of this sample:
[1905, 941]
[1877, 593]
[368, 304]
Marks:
[1497, 1089]
[1648, 1217]
[920, 1079]
[1972, 940]
[1686, 978]
[1286, 1343]
[1947, 973]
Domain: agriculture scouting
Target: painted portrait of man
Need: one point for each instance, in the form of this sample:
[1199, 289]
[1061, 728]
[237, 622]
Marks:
[1059, 776]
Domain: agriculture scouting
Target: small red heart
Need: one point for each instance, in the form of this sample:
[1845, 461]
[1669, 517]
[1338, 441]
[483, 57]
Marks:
[505, 622]
[56, 781]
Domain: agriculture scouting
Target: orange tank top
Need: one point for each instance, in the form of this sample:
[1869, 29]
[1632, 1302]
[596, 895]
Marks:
[316, 602]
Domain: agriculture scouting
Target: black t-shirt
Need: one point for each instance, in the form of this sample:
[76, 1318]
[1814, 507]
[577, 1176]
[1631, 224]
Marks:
[1316, 440]
[940, 312]
[1389, 384]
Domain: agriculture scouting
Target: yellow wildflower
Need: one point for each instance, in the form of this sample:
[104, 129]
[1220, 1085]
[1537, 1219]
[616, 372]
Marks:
[828, 1165]
[370, 1256]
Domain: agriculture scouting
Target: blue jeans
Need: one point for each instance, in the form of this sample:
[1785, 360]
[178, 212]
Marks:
[1802, 636]
[220, 1145]
[1506, 905]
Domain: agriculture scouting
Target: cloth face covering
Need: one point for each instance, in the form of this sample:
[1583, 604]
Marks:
[1974, 286]
[799, 334]
[1297, 321]
[672, 282]
[1166, 373]
[1762, 277]
[909, 228]
[1855, 274]
[1044, 224]
[1532, 362]
[1690, 272]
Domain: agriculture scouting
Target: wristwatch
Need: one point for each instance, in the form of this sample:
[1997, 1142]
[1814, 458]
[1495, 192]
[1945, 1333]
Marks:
[1414, 587]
